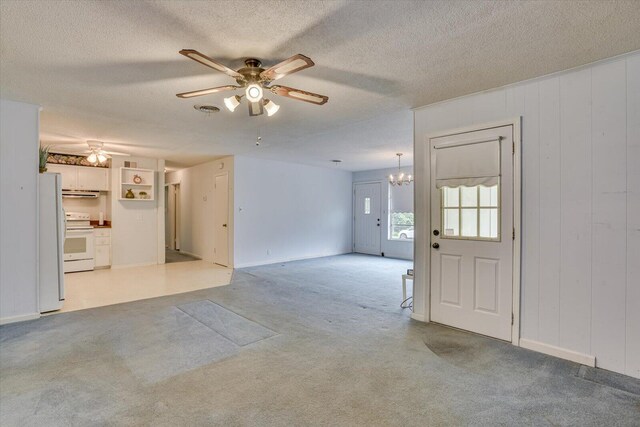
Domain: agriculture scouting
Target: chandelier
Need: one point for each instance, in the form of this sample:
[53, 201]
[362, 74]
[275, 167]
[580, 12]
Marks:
[400, 178]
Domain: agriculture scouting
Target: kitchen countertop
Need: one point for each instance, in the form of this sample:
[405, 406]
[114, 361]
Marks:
[94, 224]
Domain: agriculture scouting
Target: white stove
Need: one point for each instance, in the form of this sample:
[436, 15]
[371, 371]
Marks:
[78, 243]
[77, 220]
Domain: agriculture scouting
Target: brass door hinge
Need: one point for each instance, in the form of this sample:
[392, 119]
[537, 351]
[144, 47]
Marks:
[513, 236]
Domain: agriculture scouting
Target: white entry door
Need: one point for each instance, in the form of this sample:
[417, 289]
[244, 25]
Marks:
[221, 220]
[367, 217]
[472, 231]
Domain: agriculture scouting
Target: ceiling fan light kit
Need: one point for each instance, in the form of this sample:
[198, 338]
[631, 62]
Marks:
[271, 107]
[256, 80]
[97, 155]
[232, 102]
[254, 92]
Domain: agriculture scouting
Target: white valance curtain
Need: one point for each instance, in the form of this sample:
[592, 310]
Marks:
[468, 163]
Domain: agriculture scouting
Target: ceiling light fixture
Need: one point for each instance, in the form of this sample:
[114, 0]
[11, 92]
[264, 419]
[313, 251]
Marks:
[271, 107]
[401, 178]
[96, 154]
[101, 157]
[232, 102]
[254, 92]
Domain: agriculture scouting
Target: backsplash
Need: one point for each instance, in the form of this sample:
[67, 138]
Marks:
[91, 206]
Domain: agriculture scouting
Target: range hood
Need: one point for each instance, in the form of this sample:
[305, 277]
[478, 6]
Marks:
[71, 194]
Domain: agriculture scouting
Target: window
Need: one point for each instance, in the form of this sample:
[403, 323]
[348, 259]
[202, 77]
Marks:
[471, 212]
[367, 205]
[400, 212]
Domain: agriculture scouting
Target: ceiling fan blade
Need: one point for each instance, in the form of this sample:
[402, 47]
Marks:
[116, 153]
[206, 91]
[288, 66]
[256, 108]
[300, 95]
[205, 60]
[66, 149]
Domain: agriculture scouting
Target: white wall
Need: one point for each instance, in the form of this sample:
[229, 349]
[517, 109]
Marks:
[286, 211]
[581, 204]
[196, 206]
[391, 248]
[137, 228]
[19, 141]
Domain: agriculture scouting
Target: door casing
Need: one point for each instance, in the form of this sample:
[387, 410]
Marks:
[517, 204]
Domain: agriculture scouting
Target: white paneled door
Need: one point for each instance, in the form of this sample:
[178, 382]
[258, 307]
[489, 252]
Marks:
[221, 220]
[367, 215]
[472, 231]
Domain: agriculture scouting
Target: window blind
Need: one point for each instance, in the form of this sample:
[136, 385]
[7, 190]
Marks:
[468, 163]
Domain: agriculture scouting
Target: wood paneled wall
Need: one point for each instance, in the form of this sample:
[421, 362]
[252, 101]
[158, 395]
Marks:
[581, 204]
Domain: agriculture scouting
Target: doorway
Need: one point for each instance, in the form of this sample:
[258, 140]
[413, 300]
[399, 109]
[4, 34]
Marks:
[221, 220]
[172, 216]
[472, 231]
[367, 216]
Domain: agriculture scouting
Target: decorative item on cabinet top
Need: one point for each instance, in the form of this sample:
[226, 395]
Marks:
[42, 158]
[73, 159]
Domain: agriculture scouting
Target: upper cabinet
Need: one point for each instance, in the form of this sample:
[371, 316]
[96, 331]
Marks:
[93, 178]
[81, 177]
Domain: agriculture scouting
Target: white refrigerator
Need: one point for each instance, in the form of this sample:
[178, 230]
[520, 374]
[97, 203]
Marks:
[51, 241]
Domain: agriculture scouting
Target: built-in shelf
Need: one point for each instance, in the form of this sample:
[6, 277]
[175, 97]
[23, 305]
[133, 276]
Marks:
[137, 185]
[147, 184]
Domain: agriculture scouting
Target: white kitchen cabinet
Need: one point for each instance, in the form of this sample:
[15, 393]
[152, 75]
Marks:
[69, 175]
[102, 241]
[90, 178]
[84, 178]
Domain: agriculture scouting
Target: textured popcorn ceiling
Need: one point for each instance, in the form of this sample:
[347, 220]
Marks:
[110, 70]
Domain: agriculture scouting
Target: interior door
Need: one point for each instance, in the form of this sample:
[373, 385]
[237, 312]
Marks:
[367, 208]
[177, 218]
[472, 231]
[221, 220]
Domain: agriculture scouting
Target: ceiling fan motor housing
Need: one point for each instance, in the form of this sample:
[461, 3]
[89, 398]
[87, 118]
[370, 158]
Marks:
[250, 73]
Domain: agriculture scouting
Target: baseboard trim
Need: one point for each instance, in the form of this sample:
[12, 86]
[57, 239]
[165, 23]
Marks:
[193, 255]
[418, 317]
[562, 353]
[277, 261]
[21, 318]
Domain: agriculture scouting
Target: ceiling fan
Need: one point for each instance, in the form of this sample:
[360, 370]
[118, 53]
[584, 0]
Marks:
[256, 80]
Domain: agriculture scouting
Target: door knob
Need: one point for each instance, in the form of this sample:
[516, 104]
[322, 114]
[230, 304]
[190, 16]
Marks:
[435, 246]
[436, 232]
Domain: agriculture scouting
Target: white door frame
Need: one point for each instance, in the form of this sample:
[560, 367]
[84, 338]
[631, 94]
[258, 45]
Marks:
[353, 211]
[517, 204]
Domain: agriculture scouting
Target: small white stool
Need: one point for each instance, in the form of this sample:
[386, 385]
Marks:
[404, 285]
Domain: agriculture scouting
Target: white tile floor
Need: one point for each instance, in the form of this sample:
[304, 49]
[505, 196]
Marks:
[98, 288]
